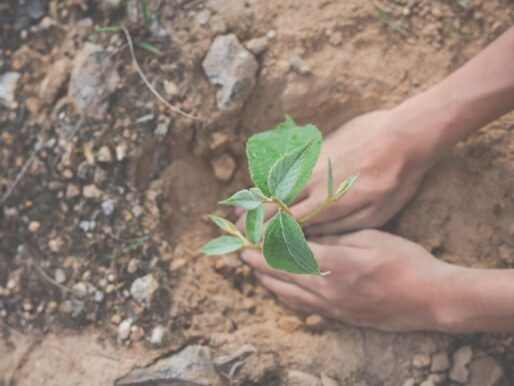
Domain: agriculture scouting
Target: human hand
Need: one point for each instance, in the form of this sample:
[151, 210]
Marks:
[375, 146]
[377, 280]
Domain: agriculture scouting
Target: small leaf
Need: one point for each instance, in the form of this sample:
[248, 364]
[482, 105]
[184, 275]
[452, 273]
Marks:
[345, 186]
[330, 179]
[147, 46]
[285, 247]
[225, 225]
[246, 199]
[109, 29]
[221, 245]
[253, 224]
[286, 176]
[264, 149]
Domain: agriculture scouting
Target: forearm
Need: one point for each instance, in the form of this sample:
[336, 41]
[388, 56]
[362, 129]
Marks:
[471, 300]
[479, 92]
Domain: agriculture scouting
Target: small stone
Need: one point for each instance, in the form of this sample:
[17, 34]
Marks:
[427, 382]
[327, 381]
[224, 167]
[107, 208]
[143, 288]
[68, 174]
[104, 155]
[440, 362]
[65, 307]
[336, 38]
[162, 127]
[72, 191]
[80, 289]
[231, 66]
[176, 264]
[461, 358]
[124, 329]
[438, 379]
[257, 46]
[203, 17]
[8, 82]
[409, 382]
[116, 319]
[137, 210]
[299, 65]
[133, 266]
[218, 140]
[170, 88]
[99, 296]
[136, 333]
[121, 151]
[315, 322]
[109, 288]
[34, 226]
[55, 245]
[299, 378]
[485, 371]
[271, 34]
[421, 361]
[60, 276]
[91, 191]
[54, 186]
[158, 336]
[289, 323]
[87, 226]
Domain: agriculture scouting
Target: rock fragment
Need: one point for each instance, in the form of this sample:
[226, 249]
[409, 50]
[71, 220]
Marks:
[440, 362]
[231, 66]
[459, 372]
[257, 46]
[224, 167]
[191, 366]
[158, 336]
[124, 329]
[315, 322]
[93, 79]
[299, 378]
[421, 361]
[485, 371]
[143, 288]
[8, 82]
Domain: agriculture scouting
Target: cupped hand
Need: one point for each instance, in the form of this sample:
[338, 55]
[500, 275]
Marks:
[376, 147]
[377, 280]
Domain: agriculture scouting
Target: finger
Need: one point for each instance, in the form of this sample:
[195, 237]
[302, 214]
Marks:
[363, 218]
[293, 294]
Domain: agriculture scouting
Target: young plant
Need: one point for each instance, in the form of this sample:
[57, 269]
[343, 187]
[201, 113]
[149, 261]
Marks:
[280, 162]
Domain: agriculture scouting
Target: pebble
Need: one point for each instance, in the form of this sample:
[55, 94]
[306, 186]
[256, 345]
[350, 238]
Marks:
[289, 323]
[8, 82]
[162, 127]
[218, 140]
[34, 226]
[299, 378]
[203, 17]
[427, 382]
[224, 167]
[485, 371]
[107, 208]
[99, 296]
[315, 322]
[327, 381]
[299, 65]
[55, 185]
[110, 288]
[91, 191]
[136, 333]
[60, 276]
[409, 382]
[124, 329]
[158, 336]
[438, 379]
[271, 34]
[87, 226]
[257, 46]
[72, 191]
[440, 362]
[133, 266]
[116, 319]
[55, 245]
[104, 155]
[170, 88]
[137, 210]
[335, 39]
[231, 66]
[143, 288]
[80, 289]
[461, 358]
[121, 151]
[421, 361]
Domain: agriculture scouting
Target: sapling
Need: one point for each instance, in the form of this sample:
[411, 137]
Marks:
[280, 162]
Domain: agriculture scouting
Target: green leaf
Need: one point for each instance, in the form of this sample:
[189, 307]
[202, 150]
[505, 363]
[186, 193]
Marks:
[111, 29]
[387, 20]
[285, 247]
[147, 46]
[264, 149]
[287, 174]
[246, 199]
[253, 224]
[330, 179]
[221, 245]
[225, 225]
[345, 186]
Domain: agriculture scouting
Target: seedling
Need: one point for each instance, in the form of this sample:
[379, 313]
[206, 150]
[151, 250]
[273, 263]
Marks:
[386, 20]
[280, 162]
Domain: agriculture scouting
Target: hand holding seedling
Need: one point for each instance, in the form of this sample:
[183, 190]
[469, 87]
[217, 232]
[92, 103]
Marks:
[280, 162]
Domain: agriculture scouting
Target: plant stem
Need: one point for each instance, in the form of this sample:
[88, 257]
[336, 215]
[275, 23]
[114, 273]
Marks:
[317, 211]
[281, 205]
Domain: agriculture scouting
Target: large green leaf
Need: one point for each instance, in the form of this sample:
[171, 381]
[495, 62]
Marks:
[287, 174]
[264, 149]
[222, 244]
[285, 247]
[253, 224]
[246, 199]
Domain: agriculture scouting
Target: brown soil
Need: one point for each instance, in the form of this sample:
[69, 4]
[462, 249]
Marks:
[463, 212]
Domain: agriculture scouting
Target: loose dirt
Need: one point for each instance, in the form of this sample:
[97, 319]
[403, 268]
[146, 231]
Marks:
[161, 184]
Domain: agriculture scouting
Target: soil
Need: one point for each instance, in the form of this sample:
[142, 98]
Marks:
[55, 219]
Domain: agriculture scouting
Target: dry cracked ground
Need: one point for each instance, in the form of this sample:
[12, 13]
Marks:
[105, 187]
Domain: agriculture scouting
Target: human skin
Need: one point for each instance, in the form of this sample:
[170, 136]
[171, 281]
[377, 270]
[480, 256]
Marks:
[384, 281]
